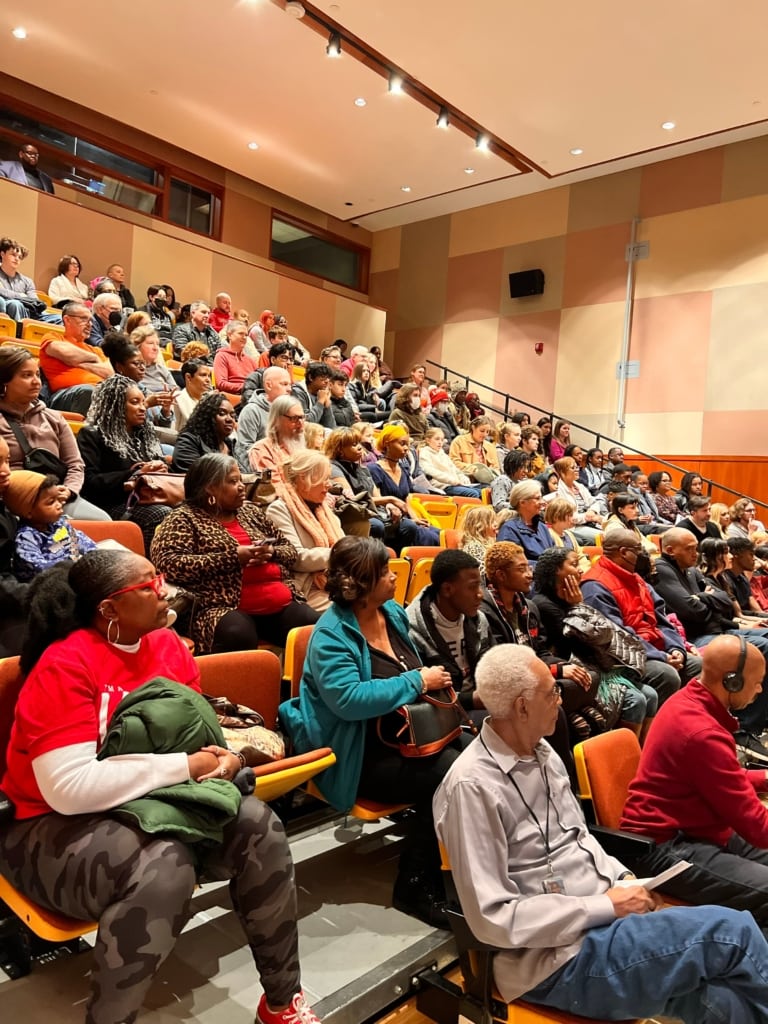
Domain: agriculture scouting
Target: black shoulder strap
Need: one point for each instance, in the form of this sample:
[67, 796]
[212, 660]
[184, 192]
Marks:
[24, 444]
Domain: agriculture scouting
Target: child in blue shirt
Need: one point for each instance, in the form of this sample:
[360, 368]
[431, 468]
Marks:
[45, 536]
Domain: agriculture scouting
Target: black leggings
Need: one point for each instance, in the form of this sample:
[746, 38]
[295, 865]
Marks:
[238, 631]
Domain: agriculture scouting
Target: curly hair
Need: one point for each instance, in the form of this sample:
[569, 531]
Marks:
[546, 569]
[107, 414]
[202, 421]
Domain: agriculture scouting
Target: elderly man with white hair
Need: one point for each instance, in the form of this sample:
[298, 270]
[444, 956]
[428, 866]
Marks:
[358, 353]
[106, 315]
[198, 329]
[573, 928]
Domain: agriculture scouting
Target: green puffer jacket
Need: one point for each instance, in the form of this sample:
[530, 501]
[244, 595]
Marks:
[163, 717]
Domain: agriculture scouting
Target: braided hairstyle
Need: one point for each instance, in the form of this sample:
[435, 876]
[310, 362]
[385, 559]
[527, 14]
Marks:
[65, 598]
[107, 414]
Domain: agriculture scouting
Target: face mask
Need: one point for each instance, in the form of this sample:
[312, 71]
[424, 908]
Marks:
[441, 408]
[415, 402]
[643, 565]
[160, 303]
[115, 318]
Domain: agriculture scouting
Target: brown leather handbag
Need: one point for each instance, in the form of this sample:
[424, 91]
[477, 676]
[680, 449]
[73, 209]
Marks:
[157, 489]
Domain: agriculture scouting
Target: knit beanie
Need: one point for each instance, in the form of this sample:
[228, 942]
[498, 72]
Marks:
[22, 491]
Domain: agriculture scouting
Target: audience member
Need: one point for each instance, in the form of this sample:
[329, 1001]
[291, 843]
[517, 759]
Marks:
[362, 393]
[116, 274]
[221, 313]
[314, 393]
[13, 595]
[693, 798]
[344, 412]
[284, 437]
[72, 367]
[230, 364]
[393, 479]
[624, 513]
[592, 476]
[615, 588]
[440, 415]
[300, 355]
[558, 515]
[197, 329]
[516, 467]
[18, 294]
[157, 308]
[660, 484]
[67, 849]
[691, 484]
[587, 518]
[314, 435]
[614, 458]
[478, 533]
[527, 528]
[361, 666]
[303, 516]
[139, 318]
[474, 407]
[252, 422]
[407, 409]
[210, 428]
[743, 522]
[157, 377]
[45, 536]
[67, 286]
[474, 454]
[508, 437]
[697, 519]
[545, 426]
[127, 360]
[566, 933]
[438, 468]
[197, 382]
[106, 315]
[720, 515]
[522, 418]
[331, 356]
[227, 553]
[737, 575]
[460, 410]
[357, 355]
[25, 170]
[259, 333]
[648, 519]
[559, 441]
[173, 307]
[278, 355]
[530, 445]
[117, 443]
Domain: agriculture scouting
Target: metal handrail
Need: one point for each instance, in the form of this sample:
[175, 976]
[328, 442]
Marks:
[446, 371]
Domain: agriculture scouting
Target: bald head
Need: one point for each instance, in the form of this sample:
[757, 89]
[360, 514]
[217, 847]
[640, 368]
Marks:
[681, 546]
[721, 656]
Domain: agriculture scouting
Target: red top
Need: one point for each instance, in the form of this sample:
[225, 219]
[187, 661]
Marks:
[263, 591]
[689, 779]
[218, 318]
[71, 694]
[231, 369]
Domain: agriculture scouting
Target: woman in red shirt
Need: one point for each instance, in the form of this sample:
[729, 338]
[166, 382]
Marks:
[97, 633]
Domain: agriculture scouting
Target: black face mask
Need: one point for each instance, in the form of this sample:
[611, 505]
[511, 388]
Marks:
[115, 318]
[160, 303]
[643, 565]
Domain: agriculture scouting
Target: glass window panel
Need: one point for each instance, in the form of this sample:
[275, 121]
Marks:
[299, 248]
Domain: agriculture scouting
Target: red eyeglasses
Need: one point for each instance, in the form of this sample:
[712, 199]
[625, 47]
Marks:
[157, 583]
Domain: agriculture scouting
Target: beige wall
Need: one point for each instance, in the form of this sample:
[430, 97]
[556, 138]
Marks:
[151, 251]
[700, 316]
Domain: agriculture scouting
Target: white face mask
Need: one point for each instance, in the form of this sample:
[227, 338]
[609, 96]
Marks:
[415, 402]
[441, 408]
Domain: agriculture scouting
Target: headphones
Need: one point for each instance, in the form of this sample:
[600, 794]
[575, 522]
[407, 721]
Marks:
[733, 682]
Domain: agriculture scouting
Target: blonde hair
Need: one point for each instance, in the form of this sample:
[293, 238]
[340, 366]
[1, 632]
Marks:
[429, 434]
[558, 510]
[311, 465]
[476, 523]
[314, 433]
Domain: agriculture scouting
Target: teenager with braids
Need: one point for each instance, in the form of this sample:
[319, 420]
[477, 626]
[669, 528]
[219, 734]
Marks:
[117, 442]
[96, 634]
[210, 428]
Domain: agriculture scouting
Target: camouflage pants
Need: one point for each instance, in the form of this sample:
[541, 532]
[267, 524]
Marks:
[139, 888]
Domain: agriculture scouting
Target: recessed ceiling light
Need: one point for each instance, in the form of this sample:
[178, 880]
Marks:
[668, 126]
[577, 151]
[405, 188]
[360, 102]
[295, 9]
[19, 33]
[469, 170]
[253, 145]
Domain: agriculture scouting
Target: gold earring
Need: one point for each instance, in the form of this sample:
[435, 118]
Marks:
[116, 624]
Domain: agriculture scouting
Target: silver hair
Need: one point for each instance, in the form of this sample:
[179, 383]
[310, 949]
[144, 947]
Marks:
[522, 490]
[194, 306]
[310, 464]
[233, 325]
[503, 674]
[280, 407]
[103, 299]
[359, 350]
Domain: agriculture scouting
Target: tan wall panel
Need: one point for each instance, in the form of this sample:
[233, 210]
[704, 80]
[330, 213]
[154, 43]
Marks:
[19, 207]
[310, 311]
[509, 223]
[737, 365]
[64, 228]
[519, 370]
[612, 199]
[710, 247]
[665, 431]
[246, 223]
[591, 426]
[251, 288]
[547, 254]
[472, 289]
[159, 260]
[682, 183]
[589, 348]
[358, 324]
[385, 251]
[595, 265]
[415, 346]
[423, 271]
[383, 292]
[744, 166]
[470, 348]
[743, 431]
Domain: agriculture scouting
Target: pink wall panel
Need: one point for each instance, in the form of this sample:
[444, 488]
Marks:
[415, 346]
[595, 268]
[382, 291]
[741, 432]
[473, 286]
[519, 370]
[682, 184]
[670, 339]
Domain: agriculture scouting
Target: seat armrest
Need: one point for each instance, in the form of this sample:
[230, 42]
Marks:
[628, 847]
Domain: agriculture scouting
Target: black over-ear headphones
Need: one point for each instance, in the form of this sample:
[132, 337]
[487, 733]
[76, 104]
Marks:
[733, 682]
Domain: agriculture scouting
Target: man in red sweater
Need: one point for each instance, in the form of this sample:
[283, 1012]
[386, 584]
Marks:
[692, 796]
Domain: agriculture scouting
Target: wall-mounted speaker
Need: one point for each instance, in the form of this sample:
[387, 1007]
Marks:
[526, 282]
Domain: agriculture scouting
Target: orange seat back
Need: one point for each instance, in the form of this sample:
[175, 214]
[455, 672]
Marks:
[11, 682]
[125, 533]
[246, 677]
[295, 652]
[605, 766]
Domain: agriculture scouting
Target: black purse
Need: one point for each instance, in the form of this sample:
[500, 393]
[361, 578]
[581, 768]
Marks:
[425, 726]
[38, 460]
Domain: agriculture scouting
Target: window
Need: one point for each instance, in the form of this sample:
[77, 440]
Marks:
[87, 164]
[315, 251]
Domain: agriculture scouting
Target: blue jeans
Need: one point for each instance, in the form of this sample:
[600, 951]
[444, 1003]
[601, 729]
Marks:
[464, 492]
[640, 702]
[706, 965]
[16, 309]
[76, 398]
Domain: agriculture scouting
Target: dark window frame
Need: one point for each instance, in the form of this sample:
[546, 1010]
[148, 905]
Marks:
[164, 171]
[363, 252]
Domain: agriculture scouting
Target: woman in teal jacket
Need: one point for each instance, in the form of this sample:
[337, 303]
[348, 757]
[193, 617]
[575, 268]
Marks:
[361, 665]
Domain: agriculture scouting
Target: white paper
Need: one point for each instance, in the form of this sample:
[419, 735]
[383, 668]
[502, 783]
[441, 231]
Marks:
[657, 880]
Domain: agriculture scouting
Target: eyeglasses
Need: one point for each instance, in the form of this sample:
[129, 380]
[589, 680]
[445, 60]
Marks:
[157, 583]
[555, 693]
[750, 510]
[294, 419]
[77, 316]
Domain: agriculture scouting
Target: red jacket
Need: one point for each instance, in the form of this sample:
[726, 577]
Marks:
[632, 596]
[689, 779]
